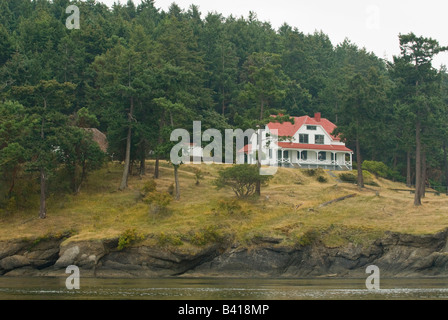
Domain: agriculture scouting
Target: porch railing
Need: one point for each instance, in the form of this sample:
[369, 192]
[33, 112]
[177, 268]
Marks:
[315, 162]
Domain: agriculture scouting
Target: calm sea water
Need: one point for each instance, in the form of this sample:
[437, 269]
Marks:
[222, 289]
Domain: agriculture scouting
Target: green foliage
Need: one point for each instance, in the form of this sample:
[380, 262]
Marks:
[199, 175]
[310, 237]
[169, 239]
[129, 237]
[80, 154]
[322, 179]
[230, 207]
[85, 119]
[314, 172]
[159, 199]
[378, 168]
[171, 189]
[348, 177]
[242, 179]
[149, 186]
[138, 72]
[310, 172]
[209, 235]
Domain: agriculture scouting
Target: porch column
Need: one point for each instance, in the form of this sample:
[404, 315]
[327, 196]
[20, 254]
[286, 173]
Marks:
[351, 159]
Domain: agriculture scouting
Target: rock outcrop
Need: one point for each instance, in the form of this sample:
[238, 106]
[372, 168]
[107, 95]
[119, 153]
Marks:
[397, 255]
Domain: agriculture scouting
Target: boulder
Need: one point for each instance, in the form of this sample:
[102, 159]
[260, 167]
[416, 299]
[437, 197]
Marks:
[68, 257]
[14, 262]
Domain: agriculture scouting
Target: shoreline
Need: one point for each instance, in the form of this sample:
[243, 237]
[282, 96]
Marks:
[397, 256]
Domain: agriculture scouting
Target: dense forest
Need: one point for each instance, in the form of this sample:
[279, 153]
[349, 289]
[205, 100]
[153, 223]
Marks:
[137, 72]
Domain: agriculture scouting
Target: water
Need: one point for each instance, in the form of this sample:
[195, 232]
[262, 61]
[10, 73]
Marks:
[222, 289]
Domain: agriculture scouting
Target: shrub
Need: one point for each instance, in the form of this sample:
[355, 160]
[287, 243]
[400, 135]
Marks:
[241, 178]
[207, 235]
[229, 206]
[149, 186]
[314, 172]
[168, 239]
[171, 189]
[377, 168]
[310, 172]
[199, 175]
[348, 177]
[371, 183]
[128, 237]
[308, 238]
[322, 179]
[158, 201]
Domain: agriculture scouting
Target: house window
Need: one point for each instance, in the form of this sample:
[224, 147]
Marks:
[319, 139]
[311, 127]
[304, 155]
[286, 154]
[322, 156]
[303, 138]
[270, 153]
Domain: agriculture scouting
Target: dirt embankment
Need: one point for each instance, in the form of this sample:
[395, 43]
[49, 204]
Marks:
[397, 255]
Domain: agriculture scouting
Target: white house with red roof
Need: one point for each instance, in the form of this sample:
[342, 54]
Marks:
[308, 143]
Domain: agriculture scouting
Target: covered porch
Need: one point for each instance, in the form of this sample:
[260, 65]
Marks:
[335, 160]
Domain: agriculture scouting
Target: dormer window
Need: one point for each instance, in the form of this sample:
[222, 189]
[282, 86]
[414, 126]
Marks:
[311, 127]
[319, 139]
[303, 138]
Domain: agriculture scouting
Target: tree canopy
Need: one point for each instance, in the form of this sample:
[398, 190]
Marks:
[136, 72]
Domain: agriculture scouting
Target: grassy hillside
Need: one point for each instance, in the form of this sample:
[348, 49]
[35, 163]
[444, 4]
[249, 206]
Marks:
[289, 209]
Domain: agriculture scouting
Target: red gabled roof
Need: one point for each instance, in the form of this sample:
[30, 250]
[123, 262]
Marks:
[287, 129]
[246, 149]
[305, 146]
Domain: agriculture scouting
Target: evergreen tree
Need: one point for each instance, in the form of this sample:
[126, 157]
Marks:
[421, 79]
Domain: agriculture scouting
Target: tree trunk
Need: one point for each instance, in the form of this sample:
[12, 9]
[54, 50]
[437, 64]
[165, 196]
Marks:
[423, 180]
[159, 141]
[43, 186]
[418, 166]
[127, 161]
[43, 196]
[83, 176]
[395, 159]
[445, 160]
[74, 184]
[359, 160]
[143, 165]
[13, 181]
[408, 169]
[176, 181]
[156, 168]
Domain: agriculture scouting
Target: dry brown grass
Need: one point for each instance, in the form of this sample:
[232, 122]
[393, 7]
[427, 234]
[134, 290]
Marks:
[288, 209]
